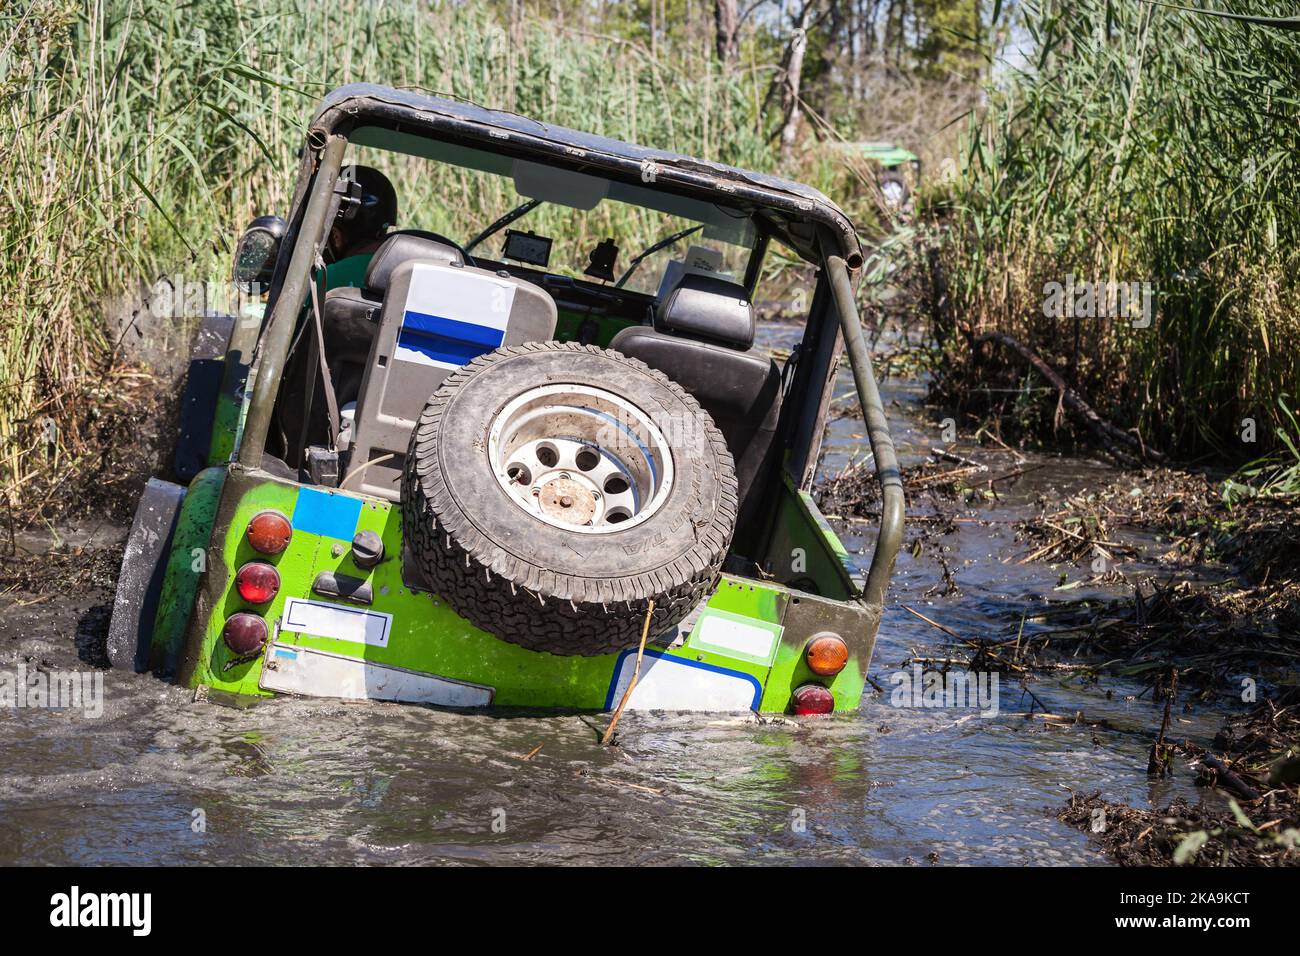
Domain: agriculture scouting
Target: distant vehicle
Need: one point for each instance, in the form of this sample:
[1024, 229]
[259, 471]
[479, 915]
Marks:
[900, 169]
[476, 480]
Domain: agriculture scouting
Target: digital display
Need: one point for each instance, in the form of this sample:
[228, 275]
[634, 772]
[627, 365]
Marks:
[527, 247]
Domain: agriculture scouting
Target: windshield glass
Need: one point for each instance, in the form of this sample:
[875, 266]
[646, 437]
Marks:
[459, 192]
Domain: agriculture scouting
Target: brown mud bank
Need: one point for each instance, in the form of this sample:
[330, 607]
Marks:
[1218, 598]
[56, 597]
[65, 524]
[1238, 636]
[1258, 765]
[118, 432]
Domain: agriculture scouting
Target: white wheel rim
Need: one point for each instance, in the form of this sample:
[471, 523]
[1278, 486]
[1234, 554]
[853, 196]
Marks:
[580, 458]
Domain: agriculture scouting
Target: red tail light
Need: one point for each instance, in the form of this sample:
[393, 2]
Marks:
[812, 699]
[257, 582]
[269, 532]
[244, 633]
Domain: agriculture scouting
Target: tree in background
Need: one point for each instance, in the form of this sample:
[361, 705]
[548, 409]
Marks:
[951, 38]
[726, 20]
[875, 69]
[867, 69]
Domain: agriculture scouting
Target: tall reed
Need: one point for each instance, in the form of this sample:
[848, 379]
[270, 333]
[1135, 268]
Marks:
[138, 136]
[1143, 145]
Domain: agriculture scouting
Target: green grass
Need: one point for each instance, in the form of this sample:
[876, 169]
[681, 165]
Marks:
[1141, 144]
[1276, 475]
[139, 136]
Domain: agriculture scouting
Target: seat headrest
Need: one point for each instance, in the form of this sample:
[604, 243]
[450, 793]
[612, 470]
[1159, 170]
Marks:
[403, 247]
[707, 307]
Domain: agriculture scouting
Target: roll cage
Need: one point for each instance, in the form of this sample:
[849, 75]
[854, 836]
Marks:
[795, 215]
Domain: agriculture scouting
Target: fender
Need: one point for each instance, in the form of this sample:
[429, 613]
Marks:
[185, 568]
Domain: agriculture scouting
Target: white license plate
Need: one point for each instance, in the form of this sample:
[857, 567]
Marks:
[320, 619]
[309, 672]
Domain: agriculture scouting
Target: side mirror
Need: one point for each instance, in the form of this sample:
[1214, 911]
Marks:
[255, 256]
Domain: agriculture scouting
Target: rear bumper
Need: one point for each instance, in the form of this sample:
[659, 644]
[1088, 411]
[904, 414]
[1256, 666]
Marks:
[741, 650]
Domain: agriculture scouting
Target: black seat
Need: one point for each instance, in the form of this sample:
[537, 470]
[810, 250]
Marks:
[349, 312]
[401, 247]
[350, 315]
[703, 339]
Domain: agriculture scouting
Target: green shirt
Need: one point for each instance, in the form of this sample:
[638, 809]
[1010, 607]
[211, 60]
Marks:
[346, 273]
[349, 272]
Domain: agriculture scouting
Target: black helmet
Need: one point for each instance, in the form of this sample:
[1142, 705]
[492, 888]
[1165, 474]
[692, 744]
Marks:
[369, 205]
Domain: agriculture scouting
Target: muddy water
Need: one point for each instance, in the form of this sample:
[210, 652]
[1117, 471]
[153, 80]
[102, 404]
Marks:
[159, 778]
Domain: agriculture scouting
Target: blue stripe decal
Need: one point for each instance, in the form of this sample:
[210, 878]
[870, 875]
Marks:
[329, 515]
[440, 350]
[441, 327]
[673, 658]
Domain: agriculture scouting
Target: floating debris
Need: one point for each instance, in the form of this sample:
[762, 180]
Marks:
[1257, 825]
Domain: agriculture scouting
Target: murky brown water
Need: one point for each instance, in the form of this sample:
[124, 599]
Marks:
[302, 781]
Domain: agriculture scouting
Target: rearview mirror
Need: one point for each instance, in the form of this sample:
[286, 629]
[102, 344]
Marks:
[255, 256]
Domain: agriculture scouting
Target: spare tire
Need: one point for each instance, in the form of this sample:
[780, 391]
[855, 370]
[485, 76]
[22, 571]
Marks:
[552, 490]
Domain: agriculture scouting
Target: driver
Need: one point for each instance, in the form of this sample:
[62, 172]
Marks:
[359, 228]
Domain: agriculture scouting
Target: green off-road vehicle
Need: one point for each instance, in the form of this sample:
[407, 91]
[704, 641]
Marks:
[436, 475]
[900, 170]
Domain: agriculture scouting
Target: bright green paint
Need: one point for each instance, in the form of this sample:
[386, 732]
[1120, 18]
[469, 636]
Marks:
[804, 546]
[701, 640]
[568, 325]
[232, 399]
[886, 154]
[349, 272]
[217, 667]
[790, 671]
[226, 424]
[832, 541]
[750, 599]
[427, 636]
[182, 578]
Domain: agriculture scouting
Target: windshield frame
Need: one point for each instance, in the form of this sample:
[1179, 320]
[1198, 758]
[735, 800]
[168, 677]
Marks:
[724, 228]
[798, 215]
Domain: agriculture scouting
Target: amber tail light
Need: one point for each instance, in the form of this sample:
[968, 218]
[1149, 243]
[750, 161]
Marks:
[826, 654]
[269, 532]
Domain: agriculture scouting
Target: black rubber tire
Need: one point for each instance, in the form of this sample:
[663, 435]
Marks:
[140, 582]
[198, 405]
[537, 585]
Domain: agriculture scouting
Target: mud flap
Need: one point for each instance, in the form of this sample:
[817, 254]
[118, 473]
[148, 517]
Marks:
[199, 400]
[140, 582]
